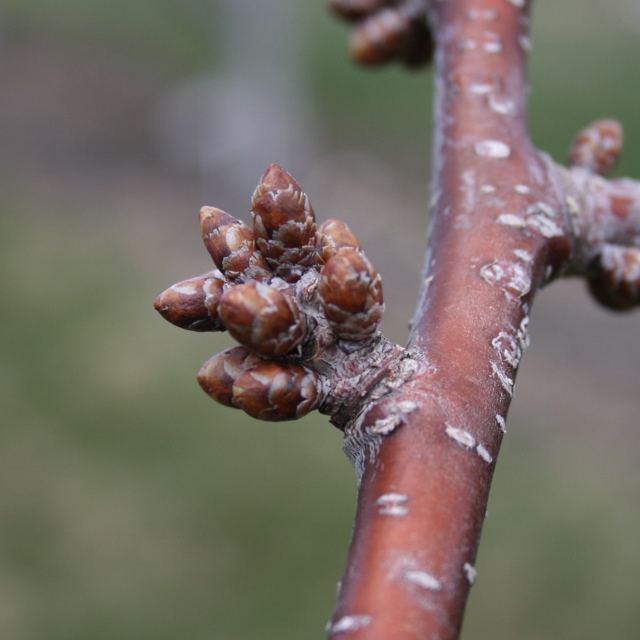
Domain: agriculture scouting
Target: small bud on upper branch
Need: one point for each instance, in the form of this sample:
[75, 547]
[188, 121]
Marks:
[615, 279]
[597, 147]
[613, 274]
[387, 30]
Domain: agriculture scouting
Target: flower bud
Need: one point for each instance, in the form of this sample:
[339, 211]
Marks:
[393, 33]
[230, 243]
[597, 147]
[333, 235]
[192, 304]
[220, 372]
[351, 295]
[616, 279]
[284, 224]
[419, 46]
[275, 391]
[263, 319]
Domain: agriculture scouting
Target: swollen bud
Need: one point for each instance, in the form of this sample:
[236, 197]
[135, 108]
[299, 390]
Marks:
[276, 391]
[597, 147]
[616, 279]
[230, 243]
[393, 33]
[263, 319]
[351, 295]
[333, 235]
[220, 372]
[192, 304]
[284, 224]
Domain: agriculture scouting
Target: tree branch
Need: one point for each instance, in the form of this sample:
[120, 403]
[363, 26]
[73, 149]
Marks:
[506, 220]
[423, 425]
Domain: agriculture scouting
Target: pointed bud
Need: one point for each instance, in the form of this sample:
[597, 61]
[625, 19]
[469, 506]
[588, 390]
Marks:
[263, 319]
[597, 147]
[192, 304]
[220, 372]
[616, 281]
[230, 243]
[284, 224]
[275, 391]
[351, 295]
[333, 235]
[389, 34]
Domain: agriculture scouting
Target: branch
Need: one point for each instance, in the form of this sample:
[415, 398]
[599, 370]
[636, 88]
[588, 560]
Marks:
[423, 424]
[506, 221]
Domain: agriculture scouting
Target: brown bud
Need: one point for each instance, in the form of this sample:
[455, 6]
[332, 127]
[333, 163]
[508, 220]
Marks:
[284, 224]
[354, 9]
[263, 318]
[351, 295]
[275, 391]
[393, 33]
[615, 282]
[230, 243]
[597, 147]
[333, 235]
[192, 304]
[220, 372]
[419, 46]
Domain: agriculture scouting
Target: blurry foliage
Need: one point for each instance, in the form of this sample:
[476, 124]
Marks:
[133, 507]
[160, 29]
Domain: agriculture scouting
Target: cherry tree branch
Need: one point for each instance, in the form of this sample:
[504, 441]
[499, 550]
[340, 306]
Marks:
[422, 424]
[506, 221]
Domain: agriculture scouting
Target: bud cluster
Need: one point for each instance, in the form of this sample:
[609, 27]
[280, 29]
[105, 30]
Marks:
[387, 30]
[288, 292]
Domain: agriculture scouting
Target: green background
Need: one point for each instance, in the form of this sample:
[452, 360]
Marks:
[131, 506]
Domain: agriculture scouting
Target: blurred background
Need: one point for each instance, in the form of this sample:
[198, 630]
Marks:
[132, 506]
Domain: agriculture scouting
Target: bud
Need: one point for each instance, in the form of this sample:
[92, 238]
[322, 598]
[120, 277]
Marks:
[616, 280]
[284, 224]
[597, 147]
[230, 243]
[220, 372]
[275, 391]
[263, 319]
[419, 44]
[351, 295]
[333, 235]
[394, 32]
[192, 304]
[354, 9]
